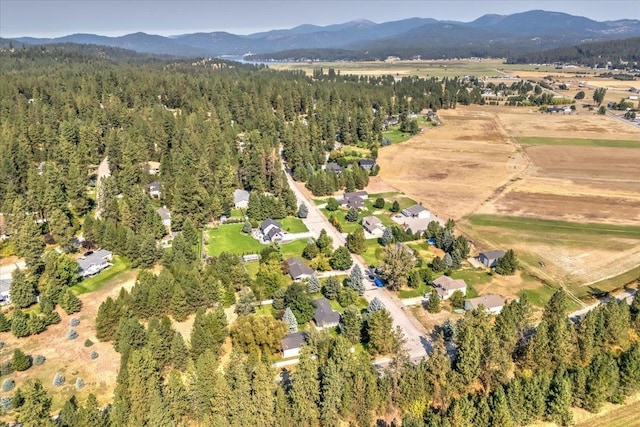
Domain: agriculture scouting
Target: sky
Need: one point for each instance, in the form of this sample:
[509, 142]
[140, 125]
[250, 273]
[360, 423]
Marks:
[54, 18]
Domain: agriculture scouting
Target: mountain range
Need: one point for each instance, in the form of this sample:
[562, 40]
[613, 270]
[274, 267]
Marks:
[489, 35]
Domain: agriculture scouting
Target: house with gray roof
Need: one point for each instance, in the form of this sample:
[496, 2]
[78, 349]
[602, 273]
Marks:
[416, 211]
[325, 316]
[165, 215]
[372, 225]
[94, 263]
[297, 269]
[334, 167]
[292, 343]
[446, 286]
[490, 258]
[352, 202]
[155, 189]
[270, 231]
[367, 164]
[361, 194]
[240, 198]
[491, 303]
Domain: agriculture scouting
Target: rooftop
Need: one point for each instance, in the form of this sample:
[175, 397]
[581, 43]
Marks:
[324, 314]
[240, 195]
[267, 223]
[164, 213]
[494, 254]
[449, 284]
[487, 301]
[297, 268]
[97, 257]
[293, 340]
[415, 209]
[5, 285]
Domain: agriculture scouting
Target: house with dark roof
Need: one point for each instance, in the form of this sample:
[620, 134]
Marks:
[155, 189]
[334, 167]
[94, 263]
[270, 231]
[446, 286]
[240, 198]
[297, 269]
[352, 202]
[292, 343]
[490, 258]
[5, 291]
[361, 194]
[416, 211]
[367, 164]
[165, 215]
[491, 303]
[325, 316]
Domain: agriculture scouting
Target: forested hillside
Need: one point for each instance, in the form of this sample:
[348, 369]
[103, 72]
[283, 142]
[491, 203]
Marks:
[213, 127]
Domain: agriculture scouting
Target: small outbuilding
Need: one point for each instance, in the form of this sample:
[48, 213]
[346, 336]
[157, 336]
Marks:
[490, 258]
[367, 164]
[155, 189]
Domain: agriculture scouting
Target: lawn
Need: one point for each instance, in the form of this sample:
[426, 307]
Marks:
[541, 226]
[395, 135]
[119, 267]
[414, 292]
[293, 249]
[252, 268]
[534, 140]
[230, 238]
[372, 254]
[622, 416]
[293, 225]
[472, 276]
[265, 310]
[539, 296]
[606, 285]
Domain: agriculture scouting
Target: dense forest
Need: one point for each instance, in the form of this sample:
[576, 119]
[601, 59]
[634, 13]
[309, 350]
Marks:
[622, 54]
[213, 127]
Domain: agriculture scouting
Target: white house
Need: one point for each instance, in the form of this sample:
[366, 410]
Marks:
[240, 199]
[416, 211]
[492, 303]
[292, 343]
[270, 231]
[94, 263]
[155, 189]
[446, 286]
[372, 225]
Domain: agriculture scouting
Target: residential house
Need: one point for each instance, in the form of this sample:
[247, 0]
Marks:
[367, 164]
[5, 291]
[334, 167]
[297, 269]
[240, 199]
[490, 258]
[153, 168]
[325, 316]
[372, 225]
[352, 202]
[360, 194]
[155, 189]
[270, 231]
[94, 262]
[491, 303]
[416, 211]
[292, 344]
[446, 286]
[165, 215]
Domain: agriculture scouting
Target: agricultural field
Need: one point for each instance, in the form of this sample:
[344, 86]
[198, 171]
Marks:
[562, 190]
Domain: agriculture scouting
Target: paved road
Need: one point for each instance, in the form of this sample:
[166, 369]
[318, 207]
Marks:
[418, 344]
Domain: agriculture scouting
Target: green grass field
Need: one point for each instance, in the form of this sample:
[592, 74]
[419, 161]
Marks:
[293, 249]
[629, 277]
[534, 140]
[543, 226]
[395, 135]
[624, 416]
[230, 238]
[119, 268]
[293, 225]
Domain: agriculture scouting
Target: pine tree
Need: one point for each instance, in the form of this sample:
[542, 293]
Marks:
[331, 390]
[179, 352]
[30, 245]
[36, 405]
[69, 302]
[304, 392]
[313, 286]
[179, 305]
[107, 320]
[375, 305]
[559, 400]
[352, 215]
[5, 325]
[290, 319]
[356, 241]
[351, 324]
[19, 325]
[500, 409]
[387, 237]
[23, 289]
[356, 280]
[433, 303]
[263, 395]
[380, 332]
[303, 211]
[331, 288]
[208, 332]
[148, 253]
[20, 361]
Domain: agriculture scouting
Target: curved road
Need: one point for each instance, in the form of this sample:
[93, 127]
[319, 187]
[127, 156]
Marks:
[417, 345]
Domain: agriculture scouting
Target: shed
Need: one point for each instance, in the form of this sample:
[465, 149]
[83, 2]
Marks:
[155, 189]
[490, 258]
[292, 343]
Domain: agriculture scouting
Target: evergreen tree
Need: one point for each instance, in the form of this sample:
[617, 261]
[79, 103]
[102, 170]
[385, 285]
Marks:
[19, 325]
[107, 319]
[433, 303]
[20, 361]
[304, 391]
[331, 288]
[395, 207]
[500, 409]
[35, 405]
[179, 305]
[341, 259]
[23, 289]
[356, 241]
[387, 236]
[380, 332]
[351, 324]
[290, 319]
[352, 215]
[5, 325]
[559, 401]
[313, 286]
[303, 211]
[375, 305]
[508, 264]
[379, 203]
[331, 390]
[69, 302]
[356, 280]
[208, 332]
[179, 353]
[30, 245]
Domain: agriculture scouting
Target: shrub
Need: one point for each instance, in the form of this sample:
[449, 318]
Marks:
[94, 355]
[39, 360]
[53, 318]
[79, 383]
[20, 361]
[58, 380]
[88, 343]
[6, 404]
[8, 384]
[6, 368]
[72, 334]
[74, 321]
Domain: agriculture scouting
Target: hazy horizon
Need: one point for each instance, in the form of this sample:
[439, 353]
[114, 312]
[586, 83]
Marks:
[56, 18]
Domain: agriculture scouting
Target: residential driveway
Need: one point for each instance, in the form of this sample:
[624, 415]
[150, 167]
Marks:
[289, 237]
[7, 270]
[418, 344]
